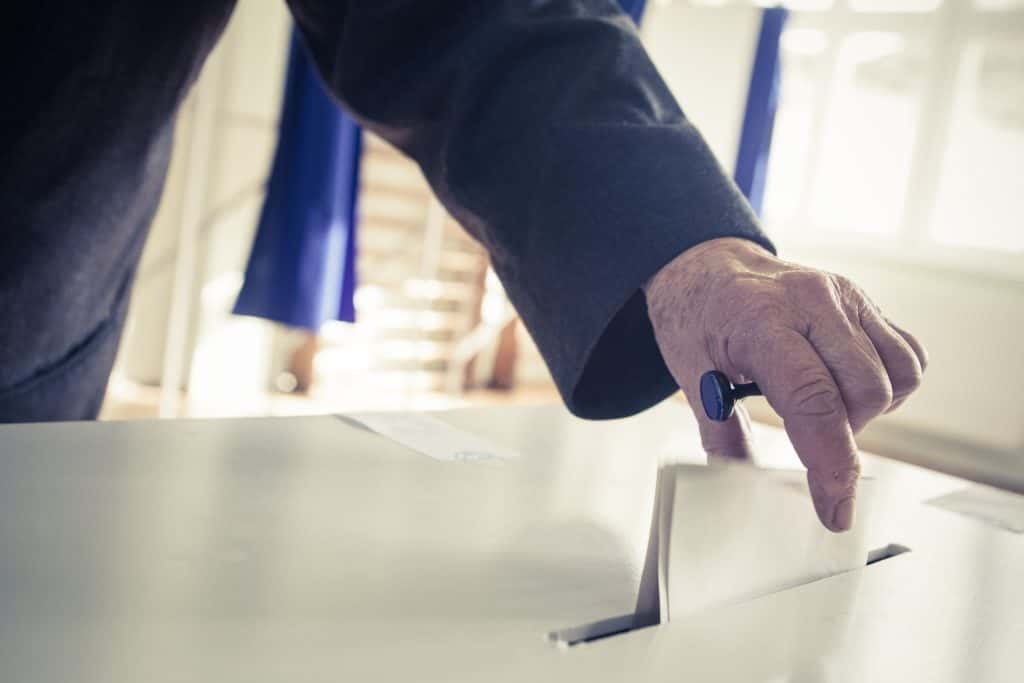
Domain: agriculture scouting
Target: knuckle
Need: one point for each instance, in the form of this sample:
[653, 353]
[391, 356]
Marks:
[867, 401]
[841, 474]
[813, 289]
[844, 285]
[872, 396]
[907, 380]
[816, 397]
[807, 279]
[920, 352]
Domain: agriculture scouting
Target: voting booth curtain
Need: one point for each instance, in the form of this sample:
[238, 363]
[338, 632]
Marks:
[634, 8]
[301, 270]
[762, 103]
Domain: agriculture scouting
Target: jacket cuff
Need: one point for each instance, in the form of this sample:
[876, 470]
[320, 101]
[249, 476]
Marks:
[619, 202]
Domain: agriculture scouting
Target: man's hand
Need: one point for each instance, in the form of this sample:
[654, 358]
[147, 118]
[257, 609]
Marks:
[823, 355]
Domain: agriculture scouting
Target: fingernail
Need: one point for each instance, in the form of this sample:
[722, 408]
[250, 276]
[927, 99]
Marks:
[842, 515]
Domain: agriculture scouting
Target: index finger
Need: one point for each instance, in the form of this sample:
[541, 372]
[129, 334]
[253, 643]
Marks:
[801, 389]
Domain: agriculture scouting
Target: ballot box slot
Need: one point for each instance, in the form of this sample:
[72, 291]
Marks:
[595, 630]
[886, 552]
[626, 623]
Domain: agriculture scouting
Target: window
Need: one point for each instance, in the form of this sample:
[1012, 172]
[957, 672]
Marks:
[895, 5]
[978, 202]
[901, 124]
[869, 131]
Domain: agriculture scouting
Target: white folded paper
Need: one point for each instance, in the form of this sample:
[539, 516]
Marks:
[431, 436]
[724, 533]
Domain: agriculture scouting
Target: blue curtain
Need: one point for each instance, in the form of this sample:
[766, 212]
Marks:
[301, 270]
[762, 102]
[634, 8]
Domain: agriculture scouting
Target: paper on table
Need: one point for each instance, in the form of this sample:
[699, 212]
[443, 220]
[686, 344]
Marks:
[727, 533]
[1001, 509]
[430, 436]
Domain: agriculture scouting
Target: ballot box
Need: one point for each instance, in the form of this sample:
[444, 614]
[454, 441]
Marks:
[476, 545]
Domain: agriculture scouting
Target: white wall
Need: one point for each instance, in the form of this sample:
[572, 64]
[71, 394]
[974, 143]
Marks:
[705, 54]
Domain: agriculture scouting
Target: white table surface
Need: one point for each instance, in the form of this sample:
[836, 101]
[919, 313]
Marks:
[308, 549]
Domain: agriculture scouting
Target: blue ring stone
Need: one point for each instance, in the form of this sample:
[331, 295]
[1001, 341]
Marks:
[716, 395]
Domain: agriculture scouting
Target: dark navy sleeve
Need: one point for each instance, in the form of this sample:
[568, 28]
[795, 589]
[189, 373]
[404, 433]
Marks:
[546, 131]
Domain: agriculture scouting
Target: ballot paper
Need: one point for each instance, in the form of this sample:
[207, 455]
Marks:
[725, 533]
[1000, 509]
[431, 436]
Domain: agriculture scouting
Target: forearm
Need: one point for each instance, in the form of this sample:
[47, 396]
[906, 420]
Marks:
[547, 132]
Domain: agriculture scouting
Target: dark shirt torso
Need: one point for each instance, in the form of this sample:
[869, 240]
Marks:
[92, 90]
[92, 93]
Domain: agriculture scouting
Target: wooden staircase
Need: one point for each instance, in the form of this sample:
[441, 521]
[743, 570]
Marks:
[420, 284]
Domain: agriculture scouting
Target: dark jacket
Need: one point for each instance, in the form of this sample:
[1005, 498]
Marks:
[541, 125]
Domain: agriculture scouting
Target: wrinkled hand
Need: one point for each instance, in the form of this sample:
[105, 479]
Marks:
[823, 355]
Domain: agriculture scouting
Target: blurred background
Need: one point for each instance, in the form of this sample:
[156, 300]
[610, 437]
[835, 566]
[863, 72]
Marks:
[894, 159]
